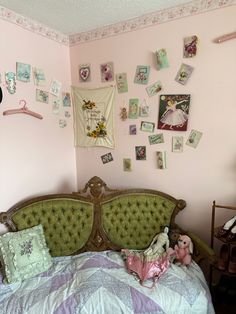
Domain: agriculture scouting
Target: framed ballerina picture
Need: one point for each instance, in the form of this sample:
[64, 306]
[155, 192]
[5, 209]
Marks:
[174, 112]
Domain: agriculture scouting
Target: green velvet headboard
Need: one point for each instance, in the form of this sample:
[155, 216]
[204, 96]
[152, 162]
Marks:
[96, 218]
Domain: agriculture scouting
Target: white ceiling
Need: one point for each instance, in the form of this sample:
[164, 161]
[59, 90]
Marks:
[76, 16]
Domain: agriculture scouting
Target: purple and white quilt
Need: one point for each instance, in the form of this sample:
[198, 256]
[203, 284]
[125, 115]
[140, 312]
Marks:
[98, 283]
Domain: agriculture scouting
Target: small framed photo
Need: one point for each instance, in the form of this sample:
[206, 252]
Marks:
[156, 139]
[161, 160]
[23, 71]
[106, 158]
[42, 96]
[132, 129]
[194, 138]
[147, 126]
[177, 144]
[140, 152]
[127, 164]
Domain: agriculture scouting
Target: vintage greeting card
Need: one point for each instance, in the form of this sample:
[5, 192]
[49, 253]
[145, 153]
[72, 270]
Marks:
[177, 144]
[156, 139]
[132, 129]
[42, 96]
[127, 164]
[153, 89]
[23, 71]
[107, 158]
[55, 88]
[107, 72]
[144, 109]
[173, 112]
[140, 152]
[161, 59]
[39, 77]
[122, 84]
[190, 46]
[147, 126]
[142, 74]
[66, 100]
[56, 105]
[161, 160]
[184, 73]
[133, 108]
[194, 138]
[84, 73]
[10, 78]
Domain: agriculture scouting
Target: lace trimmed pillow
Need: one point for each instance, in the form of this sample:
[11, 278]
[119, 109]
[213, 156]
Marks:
[24, 254]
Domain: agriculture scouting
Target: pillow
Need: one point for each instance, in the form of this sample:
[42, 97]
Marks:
[24, 254]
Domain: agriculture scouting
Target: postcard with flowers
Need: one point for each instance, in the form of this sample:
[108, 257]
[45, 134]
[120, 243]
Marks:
[23, 71]
[39, 77]
[107, 72]
[190, 46]
[140, 152]
[161, 59]
[55, 88]
[142, 74]
[122, 84]
[133, 108]
[194, 138]
[184, 73]
[42, 96]
[153, 89]
[84, 73]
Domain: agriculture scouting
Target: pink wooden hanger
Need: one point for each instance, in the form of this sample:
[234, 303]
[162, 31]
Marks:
[24, 109]
[225, 37]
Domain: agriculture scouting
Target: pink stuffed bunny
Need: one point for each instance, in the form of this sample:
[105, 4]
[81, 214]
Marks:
[183, 250]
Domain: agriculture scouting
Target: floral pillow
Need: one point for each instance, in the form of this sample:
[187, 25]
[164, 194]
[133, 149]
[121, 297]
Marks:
[24, 254]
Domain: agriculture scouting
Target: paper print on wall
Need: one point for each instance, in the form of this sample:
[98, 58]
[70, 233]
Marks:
[156, 139]
[10, 78]
[67, 114]
[66, 99]
[106, 158]
[194, 138]
[184, 73]
[55, 88]
[161, 59]
[144, 109]
[161, 160]
[62, 123]
[127, 164]
[56, 106]
[147, 126]
[94, 116]
[133, 129]
[153, 89]
[142, 74]
[122, 84]
[123, 114]
[39, 77]
[140, 152]
[107, 72]
[84, 73]
[177, 144]
[42, 96]
[133, 108]
[174, 112]
[190, 46]
[23, 71]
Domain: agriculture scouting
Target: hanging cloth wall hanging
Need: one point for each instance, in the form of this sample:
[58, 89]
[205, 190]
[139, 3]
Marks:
[94, 116]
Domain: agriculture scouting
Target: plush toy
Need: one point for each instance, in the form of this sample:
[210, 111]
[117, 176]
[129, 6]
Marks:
[183, 250]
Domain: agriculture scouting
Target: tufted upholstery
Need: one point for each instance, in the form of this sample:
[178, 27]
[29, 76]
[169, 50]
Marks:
[131, 221]
[67, 222]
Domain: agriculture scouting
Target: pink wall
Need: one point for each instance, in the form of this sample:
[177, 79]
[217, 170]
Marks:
[36, 156]
[198, 175]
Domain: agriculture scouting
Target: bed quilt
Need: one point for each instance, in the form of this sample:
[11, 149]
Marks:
[98, 283]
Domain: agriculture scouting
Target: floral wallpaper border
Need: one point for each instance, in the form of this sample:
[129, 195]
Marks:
[163, 16]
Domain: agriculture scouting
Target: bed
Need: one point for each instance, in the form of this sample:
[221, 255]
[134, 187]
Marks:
[82, 269]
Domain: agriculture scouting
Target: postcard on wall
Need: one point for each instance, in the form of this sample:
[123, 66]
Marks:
[153, 89]
[122, 84]
[184, 73]
[132, 129]
[174, 112]
[144, 109]
[56, 106]
[161, 160]
[84, 73]
[161, 59]
[23, 71]
[133, 108]
[67, 114]
[127, 164]
[39, 77]
[107, 158]
[42, 96]
[107, 72]
[190, 46]
[62, 123]
[177, 144]
[142, 74]
[147, 126]
[55, 88]
[156, 139]
[194, 138]
[66, 99]
[140, 152]
[10, 78]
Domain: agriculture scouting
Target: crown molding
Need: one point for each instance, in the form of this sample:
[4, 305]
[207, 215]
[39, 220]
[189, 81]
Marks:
[33, 26]
[153, 19]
